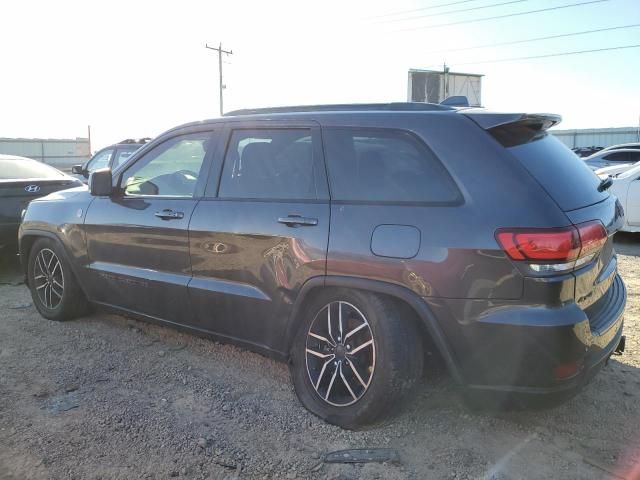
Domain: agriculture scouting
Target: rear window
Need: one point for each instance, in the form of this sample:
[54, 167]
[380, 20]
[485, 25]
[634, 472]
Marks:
[569, 181]
[376, 165]
[19, 169]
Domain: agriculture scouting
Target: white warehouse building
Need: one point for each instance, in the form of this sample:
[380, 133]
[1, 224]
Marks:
[59, 153]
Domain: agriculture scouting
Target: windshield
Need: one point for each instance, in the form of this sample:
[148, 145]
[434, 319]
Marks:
[25, 168]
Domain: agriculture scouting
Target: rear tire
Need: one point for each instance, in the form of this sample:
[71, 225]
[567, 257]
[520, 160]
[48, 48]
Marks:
[352, 376]
[54, 289]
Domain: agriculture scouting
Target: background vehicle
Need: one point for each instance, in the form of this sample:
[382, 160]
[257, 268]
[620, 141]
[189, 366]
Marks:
[626, 186]
[21, 180]
[625, 146]
[615, 170]
[109, 157]
[471, 234]
[585, 151]
[609, 158]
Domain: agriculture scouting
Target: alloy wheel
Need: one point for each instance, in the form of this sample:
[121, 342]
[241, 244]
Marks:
[48, 278]
[340, 354]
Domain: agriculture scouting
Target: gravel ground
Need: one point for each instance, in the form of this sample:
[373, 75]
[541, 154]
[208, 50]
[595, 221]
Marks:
[110, 397]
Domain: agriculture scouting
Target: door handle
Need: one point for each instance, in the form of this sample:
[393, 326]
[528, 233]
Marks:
[168, 214]
[298, 221]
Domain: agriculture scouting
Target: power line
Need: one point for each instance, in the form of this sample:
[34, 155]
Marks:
[448, 12]
[585, 32]
[420, 9]
[561, 54]
[474, 20]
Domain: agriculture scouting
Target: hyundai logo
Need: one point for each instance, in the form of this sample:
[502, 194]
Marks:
[32, 188]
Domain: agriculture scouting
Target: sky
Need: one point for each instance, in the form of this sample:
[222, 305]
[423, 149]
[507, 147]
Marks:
[136, 68]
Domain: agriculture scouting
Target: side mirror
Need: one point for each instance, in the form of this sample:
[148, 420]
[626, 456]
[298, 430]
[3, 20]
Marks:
[77, 170]
[101, 182]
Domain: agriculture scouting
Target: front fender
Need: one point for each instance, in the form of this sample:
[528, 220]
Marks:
[61, 218]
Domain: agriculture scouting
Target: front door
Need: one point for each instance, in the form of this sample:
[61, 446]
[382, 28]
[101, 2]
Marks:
[255, 243]
[138, 244]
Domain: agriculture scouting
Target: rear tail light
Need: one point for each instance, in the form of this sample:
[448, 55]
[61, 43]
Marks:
[549, 250]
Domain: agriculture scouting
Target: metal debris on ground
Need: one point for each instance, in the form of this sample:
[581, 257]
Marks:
[363, 455]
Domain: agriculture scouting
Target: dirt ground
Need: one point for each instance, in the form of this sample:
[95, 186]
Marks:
[109, 397]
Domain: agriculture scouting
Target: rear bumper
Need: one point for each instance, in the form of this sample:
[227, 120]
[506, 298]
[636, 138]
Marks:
[529, 353]
[549, 396]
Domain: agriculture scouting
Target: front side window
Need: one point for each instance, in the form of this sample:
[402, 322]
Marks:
[171, 169]
[269, 164]
[100, 160]
[375, 165]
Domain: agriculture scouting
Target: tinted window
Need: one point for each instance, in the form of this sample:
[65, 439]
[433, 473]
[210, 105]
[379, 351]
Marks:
[617, 157]
[170, 169]
[100, 160]
[19, 168]
[569, 181]
[386, 166]
[275, 164]
[122, 155]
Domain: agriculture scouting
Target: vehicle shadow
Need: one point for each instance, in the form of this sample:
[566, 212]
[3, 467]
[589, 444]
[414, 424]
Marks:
[627, 243]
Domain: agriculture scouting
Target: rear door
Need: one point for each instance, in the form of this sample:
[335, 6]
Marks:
[137, 239]
[261, 233]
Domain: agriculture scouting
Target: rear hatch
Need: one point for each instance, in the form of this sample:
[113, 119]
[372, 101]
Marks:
[574, 187]
[16, 194]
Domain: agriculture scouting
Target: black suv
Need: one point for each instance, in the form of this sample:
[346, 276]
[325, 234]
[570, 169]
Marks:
[349, 240]
[109, 157]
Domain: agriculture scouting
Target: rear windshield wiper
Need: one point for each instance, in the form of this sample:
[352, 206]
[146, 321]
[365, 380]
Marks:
[605, 184]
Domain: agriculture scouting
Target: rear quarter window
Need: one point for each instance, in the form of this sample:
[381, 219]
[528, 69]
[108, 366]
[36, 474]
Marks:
[565, 176]
[378, 165]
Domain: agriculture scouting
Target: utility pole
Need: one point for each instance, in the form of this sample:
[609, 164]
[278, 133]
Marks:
[445, 70]
[220, 52]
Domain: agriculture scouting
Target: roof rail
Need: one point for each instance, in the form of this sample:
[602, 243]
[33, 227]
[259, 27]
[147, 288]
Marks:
[345, 107]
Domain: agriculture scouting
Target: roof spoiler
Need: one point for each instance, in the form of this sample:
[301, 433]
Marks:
[456, 101]
[511, 129]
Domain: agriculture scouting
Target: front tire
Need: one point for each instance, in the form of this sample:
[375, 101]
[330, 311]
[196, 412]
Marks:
[54, 288]
[355, 356]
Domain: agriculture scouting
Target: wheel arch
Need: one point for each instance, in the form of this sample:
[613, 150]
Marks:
[409, 298]
[28, 238]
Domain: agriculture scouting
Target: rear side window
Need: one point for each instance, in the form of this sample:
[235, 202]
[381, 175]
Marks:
[565, 176]
[377, 165]
[269, 164]
[622, 157]
[122, 156]
[100, 160]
